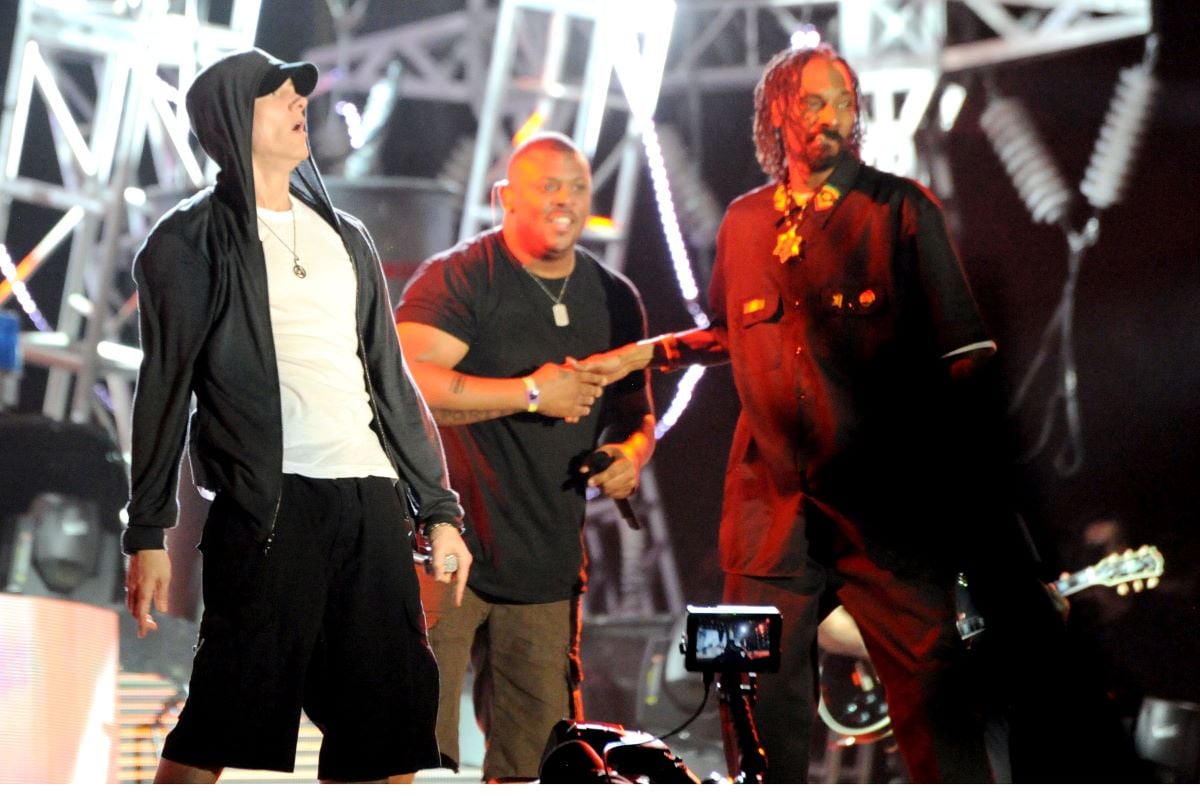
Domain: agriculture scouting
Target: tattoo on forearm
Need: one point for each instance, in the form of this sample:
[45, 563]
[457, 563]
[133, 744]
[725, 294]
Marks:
[458, 383]
[461, 417]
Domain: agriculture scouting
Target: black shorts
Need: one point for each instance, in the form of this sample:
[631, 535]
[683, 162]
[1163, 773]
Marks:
[329, 620]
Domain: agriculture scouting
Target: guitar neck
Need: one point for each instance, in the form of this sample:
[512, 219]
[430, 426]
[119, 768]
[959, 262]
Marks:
[1075, 582]
[1141, 567]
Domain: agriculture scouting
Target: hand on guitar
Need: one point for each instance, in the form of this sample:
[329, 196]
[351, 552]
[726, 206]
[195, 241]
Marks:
[1061, 604]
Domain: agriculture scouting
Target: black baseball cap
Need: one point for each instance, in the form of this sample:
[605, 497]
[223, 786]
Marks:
[302, 73]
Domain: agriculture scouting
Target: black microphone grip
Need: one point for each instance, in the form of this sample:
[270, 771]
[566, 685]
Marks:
[597, 462]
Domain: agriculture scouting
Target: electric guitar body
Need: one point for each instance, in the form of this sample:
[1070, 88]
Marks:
[853, 702]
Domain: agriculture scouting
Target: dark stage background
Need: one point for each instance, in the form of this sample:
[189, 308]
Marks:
[1137, 330]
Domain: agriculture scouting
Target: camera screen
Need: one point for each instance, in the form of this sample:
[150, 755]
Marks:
[732, 639]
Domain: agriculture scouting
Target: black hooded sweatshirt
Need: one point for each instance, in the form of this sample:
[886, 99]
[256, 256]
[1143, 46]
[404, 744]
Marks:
[206, 331]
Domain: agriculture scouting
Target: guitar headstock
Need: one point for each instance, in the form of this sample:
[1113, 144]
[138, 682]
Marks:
[1133, 570]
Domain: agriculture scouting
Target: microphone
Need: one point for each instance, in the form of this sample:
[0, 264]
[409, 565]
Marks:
[597, 462]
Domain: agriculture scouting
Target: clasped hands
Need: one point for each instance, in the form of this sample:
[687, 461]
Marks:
[571, 389]
[567, 390]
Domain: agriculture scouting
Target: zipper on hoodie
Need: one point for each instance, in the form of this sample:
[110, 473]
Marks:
[265, 546]
[270, 540]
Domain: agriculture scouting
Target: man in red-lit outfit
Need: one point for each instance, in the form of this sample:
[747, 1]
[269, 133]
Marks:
[841, 304]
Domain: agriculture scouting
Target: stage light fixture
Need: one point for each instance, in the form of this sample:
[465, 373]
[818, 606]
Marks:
[683, 396]
[66, 539]
[806, 37]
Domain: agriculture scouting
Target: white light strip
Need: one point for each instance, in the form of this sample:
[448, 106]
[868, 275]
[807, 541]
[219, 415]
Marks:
[683, 270]
[19, 290]
[670, 221]
[683, 396]
[641, 79]
[40, 252]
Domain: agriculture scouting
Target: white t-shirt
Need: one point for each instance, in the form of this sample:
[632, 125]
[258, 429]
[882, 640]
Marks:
[323, 394]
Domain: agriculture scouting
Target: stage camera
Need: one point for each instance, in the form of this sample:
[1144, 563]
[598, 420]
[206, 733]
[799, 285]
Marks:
[732, 638]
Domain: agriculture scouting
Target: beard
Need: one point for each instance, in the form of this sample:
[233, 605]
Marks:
[823, 150]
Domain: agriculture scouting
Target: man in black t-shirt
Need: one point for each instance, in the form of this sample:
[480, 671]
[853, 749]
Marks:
[491, 330]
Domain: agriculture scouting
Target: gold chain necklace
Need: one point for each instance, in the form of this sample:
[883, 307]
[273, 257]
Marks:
[789, 243]
[297, 268]
[561, 318]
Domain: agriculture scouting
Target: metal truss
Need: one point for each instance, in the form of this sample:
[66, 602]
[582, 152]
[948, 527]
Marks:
[1031, 28]
[444, 58]
[724, 44]
[553, 61]
[109, 77]
[903, 49]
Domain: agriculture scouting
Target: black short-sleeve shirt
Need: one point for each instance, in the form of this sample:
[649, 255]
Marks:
[517, 475]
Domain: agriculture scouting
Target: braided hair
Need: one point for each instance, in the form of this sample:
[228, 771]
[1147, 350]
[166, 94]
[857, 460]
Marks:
[780, 79]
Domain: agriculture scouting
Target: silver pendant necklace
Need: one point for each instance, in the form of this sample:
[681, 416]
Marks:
[297, 268]
[561, 318]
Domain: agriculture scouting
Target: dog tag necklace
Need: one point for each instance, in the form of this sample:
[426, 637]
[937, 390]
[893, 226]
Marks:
[297, 268]
[561, 318]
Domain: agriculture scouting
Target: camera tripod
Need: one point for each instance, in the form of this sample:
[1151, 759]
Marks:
[744, 755]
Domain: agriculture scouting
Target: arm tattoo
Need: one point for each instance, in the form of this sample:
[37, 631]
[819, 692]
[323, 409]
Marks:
[462, 417]
[458, 383]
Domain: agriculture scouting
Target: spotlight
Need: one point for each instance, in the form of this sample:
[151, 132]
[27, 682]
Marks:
[805, 37]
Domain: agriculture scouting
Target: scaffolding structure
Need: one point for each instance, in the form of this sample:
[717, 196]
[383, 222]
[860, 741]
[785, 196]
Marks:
[904, 51]
[109, 78]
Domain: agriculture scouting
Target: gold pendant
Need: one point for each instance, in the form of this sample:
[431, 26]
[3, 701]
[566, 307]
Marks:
[298, 269]
[560, 315]
[788, 244]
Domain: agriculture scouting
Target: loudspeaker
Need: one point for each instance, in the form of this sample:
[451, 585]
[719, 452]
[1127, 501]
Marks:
[62, 487]
[66, 539]
[59, 549]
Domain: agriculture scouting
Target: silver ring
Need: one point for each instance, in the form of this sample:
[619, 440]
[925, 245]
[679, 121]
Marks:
[450, 563]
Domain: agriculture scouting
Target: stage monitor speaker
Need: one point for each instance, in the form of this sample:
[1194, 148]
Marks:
[66, 539]
[62, 488]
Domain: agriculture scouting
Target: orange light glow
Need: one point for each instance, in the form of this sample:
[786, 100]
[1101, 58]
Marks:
[535, 122]
[600, 224]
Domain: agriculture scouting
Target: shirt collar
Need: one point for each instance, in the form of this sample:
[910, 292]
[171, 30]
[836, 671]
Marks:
[829, 196]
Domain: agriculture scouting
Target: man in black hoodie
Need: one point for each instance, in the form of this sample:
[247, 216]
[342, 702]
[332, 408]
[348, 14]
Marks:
[267, 306]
